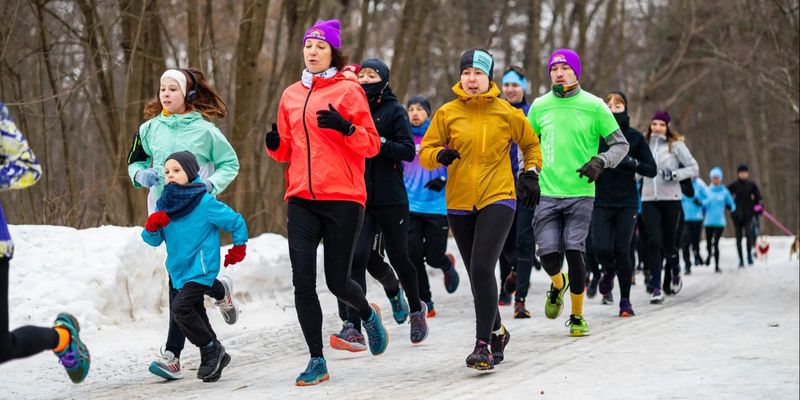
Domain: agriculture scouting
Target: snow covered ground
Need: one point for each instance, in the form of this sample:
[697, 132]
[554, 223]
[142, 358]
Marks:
[734, 335]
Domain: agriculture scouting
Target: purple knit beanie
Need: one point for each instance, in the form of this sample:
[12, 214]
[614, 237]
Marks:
[661, 115]
[325, 30]
[565, 56]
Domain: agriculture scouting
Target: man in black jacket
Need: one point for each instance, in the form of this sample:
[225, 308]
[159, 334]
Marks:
[746, 195]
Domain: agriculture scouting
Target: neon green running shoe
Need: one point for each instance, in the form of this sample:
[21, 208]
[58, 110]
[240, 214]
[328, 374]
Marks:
[555, 299]
[577, 325]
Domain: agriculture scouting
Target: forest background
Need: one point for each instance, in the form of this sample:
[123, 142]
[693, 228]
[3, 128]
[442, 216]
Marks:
[76, 73]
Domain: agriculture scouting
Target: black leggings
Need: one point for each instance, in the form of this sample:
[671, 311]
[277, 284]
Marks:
[190, 315]
[661, 222]
[592, 262]
[612, 230]
[690, 241]
[175, 337]
[427, 243]
[480, 238]
[744, 228]
[712, 243]
[551, 263]
[508, 256]
[392, 221]
[24, 341]
[336, 223]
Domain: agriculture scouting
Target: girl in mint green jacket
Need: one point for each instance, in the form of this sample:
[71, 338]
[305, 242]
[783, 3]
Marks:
[177, 121]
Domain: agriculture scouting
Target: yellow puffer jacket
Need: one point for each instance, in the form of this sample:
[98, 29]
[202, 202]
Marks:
[481, 128]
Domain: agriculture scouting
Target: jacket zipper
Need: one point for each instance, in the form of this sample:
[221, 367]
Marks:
[203, 262]
[308, 141]
[655, 183]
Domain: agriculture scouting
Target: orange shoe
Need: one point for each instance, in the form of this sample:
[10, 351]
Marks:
[431, 310]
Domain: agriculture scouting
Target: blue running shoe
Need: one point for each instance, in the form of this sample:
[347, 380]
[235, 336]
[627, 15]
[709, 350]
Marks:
[316, 372]
[451, 278]
[75, 358]
[399, 307]
[377, 336]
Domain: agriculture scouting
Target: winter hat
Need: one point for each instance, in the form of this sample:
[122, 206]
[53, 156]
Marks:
[565, 56]
[178, 76]
[716, 172]
[325, 30]
[422, 101]
[378, 66]
[621, 94]
[742, 168]
[354, 68]
[480, 59]
[661, 115]
[512, 75]
[188, 162]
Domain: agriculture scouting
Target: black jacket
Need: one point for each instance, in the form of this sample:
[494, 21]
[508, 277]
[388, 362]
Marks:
[616, 187]
[746, 195]
[384, 172]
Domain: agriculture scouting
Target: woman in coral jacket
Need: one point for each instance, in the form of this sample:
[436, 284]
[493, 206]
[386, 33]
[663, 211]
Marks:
[325, 132]
[472, 136]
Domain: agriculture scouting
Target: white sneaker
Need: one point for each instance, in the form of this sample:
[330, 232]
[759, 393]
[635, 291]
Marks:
[230, 313]
[167, 366]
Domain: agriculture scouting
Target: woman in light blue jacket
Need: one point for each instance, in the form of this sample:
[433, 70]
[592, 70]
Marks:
[188, 219]
[716, 199]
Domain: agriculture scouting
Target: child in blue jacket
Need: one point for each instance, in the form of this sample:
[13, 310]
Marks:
[716, 198]
[188, 219]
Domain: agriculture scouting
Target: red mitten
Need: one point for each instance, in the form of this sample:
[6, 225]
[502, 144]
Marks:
[156, 221]
[235, 254]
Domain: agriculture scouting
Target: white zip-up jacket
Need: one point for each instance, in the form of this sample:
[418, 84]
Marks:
[659, 189]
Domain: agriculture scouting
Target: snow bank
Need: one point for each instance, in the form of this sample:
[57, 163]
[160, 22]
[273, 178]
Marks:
[109, 276]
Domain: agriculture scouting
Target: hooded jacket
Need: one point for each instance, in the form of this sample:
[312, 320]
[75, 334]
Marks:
[163, 135]
[384, 172]
[616, 187]
[324, 164]
[716, 199]
[658, 189]
[481, 128]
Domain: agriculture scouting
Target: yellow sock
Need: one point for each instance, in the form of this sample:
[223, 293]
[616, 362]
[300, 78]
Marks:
[577, 303]
[558, 281]
[63, 339]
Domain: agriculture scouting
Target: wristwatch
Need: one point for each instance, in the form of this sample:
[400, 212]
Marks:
[383, 140]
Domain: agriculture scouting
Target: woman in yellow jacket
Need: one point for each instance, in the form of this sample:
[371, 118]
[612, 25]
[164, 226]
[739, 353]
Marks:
[471, 136]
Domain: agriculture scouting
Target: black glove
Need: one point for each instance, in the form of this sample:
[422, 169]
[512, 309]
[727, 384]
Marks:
[333, 120]
[447, 156]
[436, 184]
[667, 174]
[528, 191]
[629, 163]
[273, 138]
[697, 202]
[591, 169]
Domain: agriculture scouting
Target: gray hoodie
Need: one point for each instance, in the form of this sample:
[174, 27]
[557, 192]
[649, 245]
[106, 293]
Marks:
[659, 189]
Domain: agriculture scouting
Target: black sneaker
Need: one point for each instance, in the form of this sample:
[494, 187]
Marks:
[481, 357]
[591, 291]
[499, 343]
[213, 359]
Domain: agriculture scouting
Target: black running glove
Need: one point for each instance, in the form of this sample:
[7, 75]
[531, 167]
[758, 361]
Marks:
[447, 156]
[436, 184]
[331, 119]
[273, 138]
[528, 191]
[591, 169]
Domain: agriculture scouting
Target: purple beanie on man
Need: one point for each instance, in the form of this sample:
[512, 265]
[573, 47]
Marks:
[327, 31]
[565, 56]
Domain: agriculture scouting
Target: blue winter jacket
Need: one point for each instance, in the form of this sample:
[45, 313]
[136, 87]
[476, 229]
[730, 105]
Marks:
[421, 199]
[717, 198]
[193, 241]
[693, 206]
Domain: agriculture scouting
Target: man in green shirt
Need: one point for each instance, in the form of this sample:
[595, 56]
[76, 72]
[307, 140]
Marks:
[570, 122]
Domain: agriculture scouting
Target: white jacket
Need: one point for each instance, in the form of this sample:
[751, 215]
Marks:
[678, 160]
